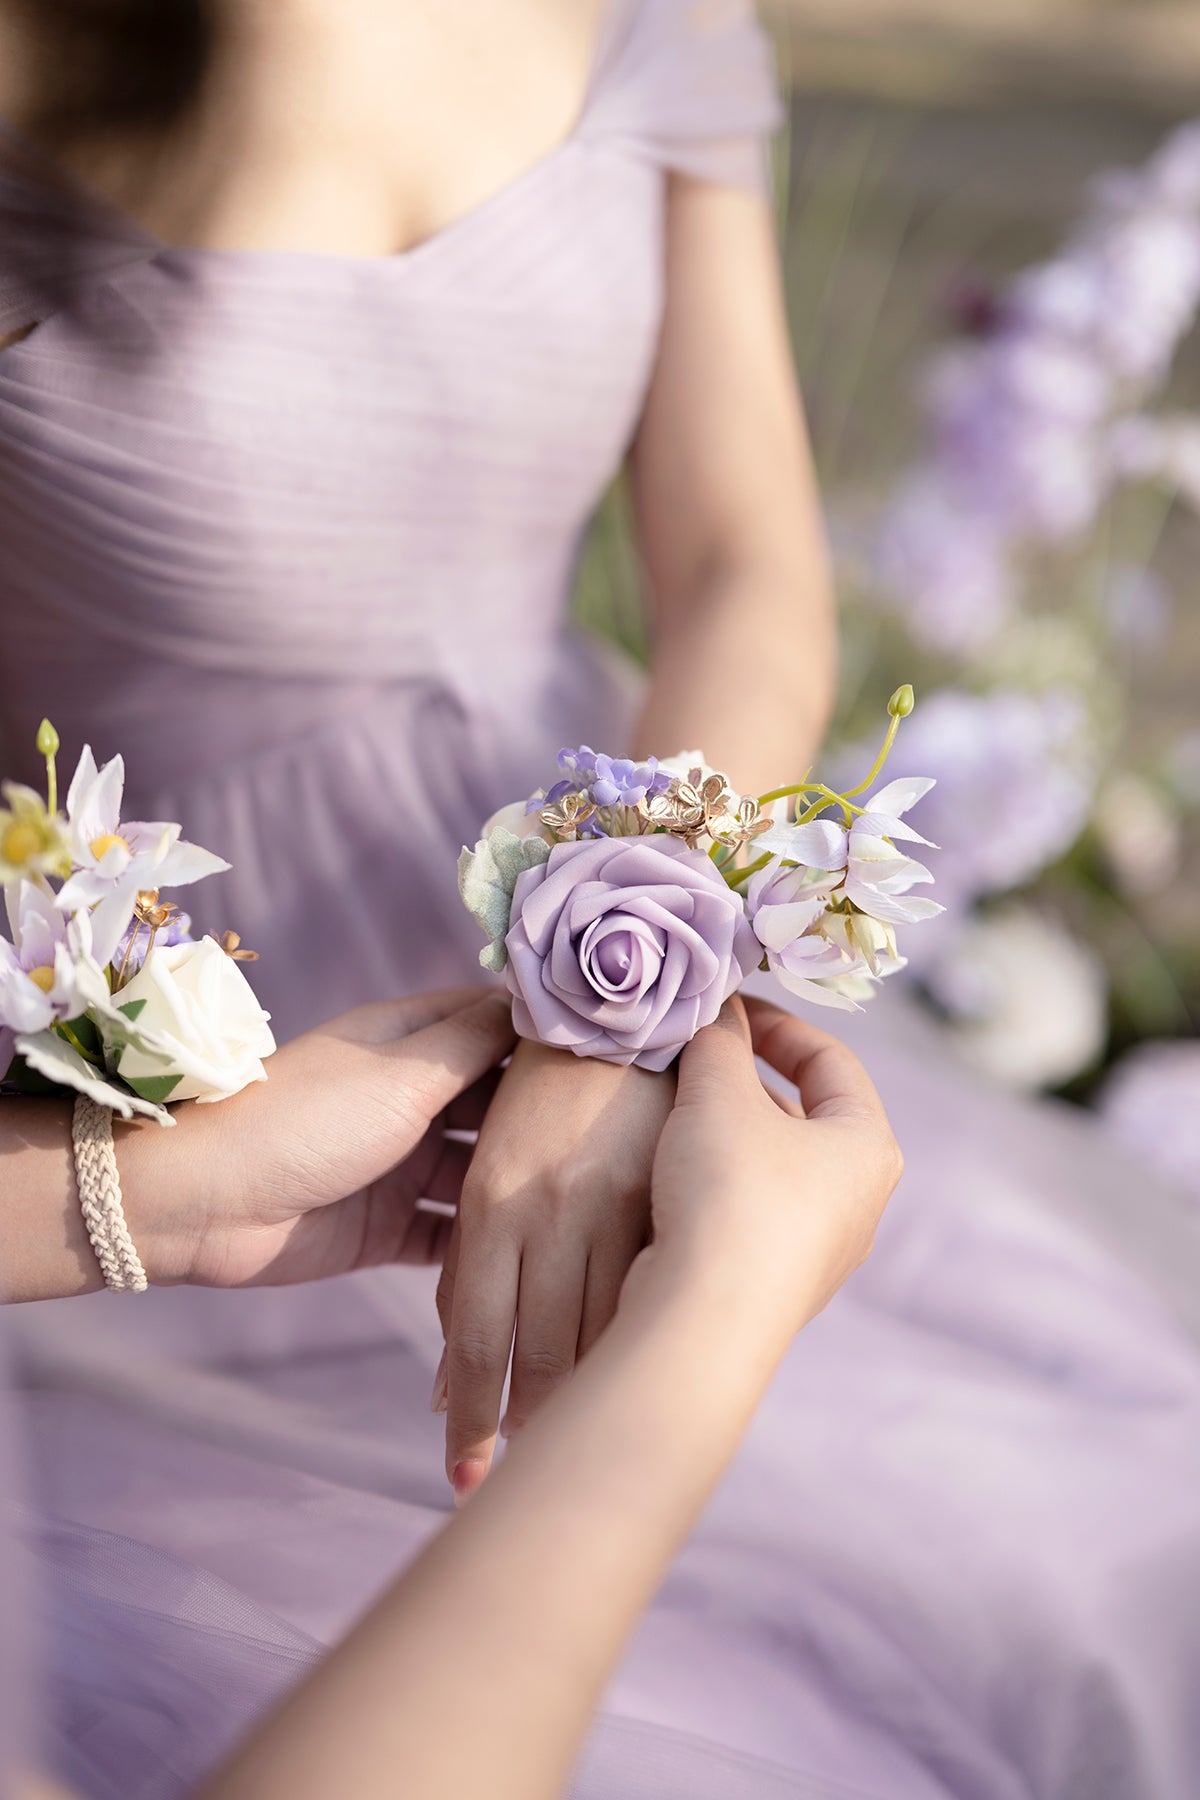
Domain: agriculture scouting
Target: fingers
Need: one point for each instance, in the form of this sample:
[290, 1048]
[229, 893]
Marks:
[484, 1285]
[467, 1111]
[381, 1021]
[445, 1286]
[605, 1278]
[437, 1063]
[445, 1184]
[718, 1058]
[549, 1316]
[426, 1239]
[832, 1082]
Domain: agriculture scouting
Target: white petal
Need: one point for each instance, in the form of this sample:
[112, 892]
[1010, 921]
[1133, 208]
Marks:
[877, 824]
[23, 1006]
[893, 909]
[81, 780]
[898, 796]
[821, 844]
[898, 880]
[875, 850]
[112, 918]
[185, 863]
[99, 811]
[814, 991]
[777, 926]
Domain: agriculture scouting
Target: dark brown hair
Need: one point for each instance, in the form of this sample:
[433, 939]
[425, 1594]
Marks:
[133, 66]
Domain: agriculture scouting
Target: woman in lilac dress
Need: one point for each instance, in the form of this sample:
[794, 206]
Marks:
[290, 517]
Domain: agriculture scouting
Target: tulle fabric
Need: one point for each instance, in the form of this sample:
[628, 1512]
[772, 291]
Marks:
[296, 533]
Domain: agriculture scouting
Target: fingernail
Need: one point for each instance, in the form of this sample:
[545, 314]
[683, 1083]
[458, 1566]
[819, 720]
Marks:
[437, 1400]
[467, 1477]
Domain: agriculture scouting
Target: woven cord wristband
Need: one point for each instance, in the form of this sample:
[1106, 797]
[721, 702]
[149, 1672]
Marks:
[100, 1198]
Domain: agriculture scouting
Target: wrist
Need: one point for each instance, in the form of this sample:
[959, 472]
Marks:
[716, 1302]
[161, 1177]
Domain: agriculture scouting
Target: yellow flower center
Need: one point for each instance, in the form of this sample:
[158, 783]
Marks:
[21, 843]
[101, 845]
[42, 978]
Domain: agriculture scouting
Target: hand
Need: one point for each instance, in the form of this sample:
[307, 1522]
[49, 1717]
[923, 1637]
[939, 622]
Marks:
[765, 1201]
[554, 1209]
[320, 1169]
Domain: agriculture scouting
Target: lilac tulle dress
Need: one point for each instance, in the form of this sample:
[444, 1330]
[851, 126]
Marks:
[296, 533]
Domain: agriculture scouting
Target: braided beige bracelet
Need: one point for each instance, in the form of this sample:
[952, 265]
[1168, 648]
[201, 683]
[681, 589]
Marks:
[100, 1198]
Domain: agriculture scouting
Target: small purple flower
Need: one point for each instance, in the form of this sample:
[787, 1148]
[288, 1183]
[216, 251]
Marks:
[618, 781]
[579, 764]
[537, 802]
[623, 949]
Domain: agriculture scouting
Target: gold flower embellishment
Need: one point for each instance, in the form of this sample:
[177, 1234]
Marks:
[565, 816]
[688, 808]
[742, 823]
[231, 944]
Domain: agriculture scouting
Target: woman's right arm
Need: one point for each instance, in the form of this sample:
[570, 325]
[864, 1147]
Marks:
[493, 1650]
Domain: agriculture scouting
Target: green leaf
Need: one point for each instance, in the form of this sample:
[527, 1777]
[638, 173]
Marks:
[487, 876]
[155, 1088]
[20, 1075]
[132, 1008]
[84, 1031]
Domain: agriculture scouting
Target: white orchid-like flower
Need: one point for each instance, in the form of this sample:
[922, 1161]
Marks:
[113, 859]
[788, 908]
[874, 874]
[866, 940]
[819, 844]
[47, 972]
[878, 875]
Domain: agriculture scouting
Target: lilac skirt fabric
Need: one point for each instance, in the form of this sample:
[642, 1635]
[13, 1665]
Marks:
[296, 534]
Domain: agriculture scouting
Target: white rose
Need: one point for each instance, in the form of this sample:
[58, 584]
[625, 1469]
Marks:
[188, 1012]
[514, 818]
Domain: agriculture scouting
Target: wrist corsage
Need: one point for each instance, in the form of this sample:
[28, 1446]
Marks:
[103, 990]
[626, 902]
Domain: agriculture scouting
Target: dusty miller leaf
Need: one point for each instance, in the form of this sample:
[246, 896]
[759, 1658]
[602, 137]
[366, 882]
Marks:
[487, 876]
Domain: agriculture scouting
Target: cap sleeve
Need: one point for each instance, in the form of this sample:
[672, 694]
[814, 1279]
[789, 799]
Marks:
[55, 237]
[689, 84]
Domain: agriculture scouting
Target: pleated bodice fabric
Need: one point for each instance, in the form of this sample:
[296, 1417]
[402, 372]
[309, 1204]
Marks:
[297, 532]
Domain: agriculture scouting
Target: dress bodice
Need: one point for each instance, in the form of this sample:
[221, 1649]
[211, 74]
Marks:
[254, 500]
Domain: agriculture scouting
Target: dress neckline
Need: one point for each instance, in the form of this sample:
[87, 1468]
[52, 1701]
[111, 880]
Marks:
[66, 180]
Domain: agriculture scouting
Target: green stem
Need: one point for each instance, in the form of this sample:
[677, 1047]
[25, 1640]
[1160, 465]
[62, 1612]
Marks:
[785, 793]
[877, 765]
[740, 875]
[64, 1031]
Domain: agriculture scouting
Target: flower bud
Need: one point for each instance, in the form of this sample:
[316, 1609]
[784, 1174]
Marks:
[902, 702]
[47, 739]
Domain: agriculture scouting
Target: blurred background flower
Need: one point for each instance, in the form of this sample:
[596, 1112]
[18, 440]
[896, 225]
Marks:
[990, 217]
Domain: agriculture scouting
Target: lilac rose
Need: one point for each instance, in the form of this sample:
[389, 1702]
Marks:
[623, 948]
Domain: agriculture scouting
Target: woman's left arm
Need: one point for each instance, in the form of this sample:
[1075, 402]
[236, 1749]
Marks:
[556, 1204]
[744, 644]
